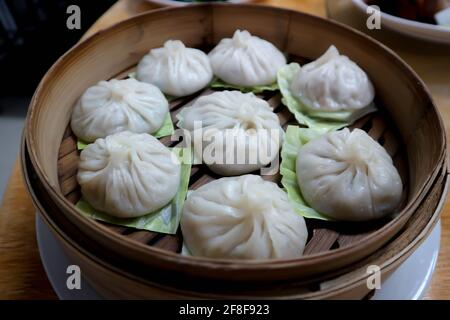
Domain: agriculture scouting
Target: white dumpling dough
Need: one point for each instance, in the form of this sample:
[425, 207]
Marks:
[178, 71]
[348, 176]
[128, 175]
[246, 60]
[242, 217]
[333, 83]
[118, 105]
[241, 128]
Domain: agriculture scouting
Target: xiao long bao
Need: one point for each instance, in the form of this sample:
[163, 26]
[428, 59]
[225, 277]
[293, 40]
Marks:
[128, 175]
[348, 176]
[175, 69]
[333, 83]
[246, 60]
[242, 217]
[118, 105]
[233, 133]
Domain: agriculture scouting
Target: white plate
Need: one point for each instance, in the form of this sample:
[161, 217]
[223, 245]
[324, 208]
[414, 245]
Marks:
[173, 3]
[409, 282]
[412, 28]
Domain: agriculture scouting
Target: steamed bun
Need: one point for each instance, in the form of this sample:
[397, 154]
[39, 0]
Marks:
[175, 69]
[118, 105]
[128, 175]
[333, 83]
[246, 60]
[242, 217]
[237, 132]
[346, 175]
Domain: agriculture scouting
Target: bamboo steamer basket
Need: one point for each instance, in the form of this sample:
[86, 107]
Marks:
[407, 125]
[113, 282]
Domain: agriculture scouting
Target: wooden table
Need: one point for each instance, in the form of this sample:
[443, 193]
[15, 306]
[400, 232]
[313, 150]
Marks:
[21, 273]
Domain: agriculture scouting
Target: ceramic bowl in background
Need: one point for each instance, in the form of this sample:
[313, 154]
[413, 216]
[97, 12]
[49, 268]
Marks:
[424, 31]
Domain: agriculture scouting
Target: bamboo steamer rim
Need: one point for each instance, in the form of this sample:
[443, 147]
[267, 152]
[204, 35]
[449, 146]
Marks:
[229, 264]
[330, 292]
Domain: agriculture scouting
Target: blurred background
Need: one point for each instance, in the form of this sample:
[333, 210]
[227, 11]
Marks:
[33, 35]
